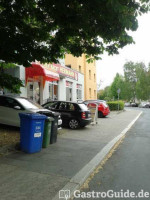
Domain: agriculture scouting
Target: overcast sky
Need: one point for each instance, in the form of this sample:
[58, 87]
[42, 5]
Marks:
[110, 65]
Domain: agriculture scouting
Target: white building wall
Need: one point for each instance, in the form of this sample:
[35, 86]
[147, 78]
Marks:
[62, 89]
[22, 78]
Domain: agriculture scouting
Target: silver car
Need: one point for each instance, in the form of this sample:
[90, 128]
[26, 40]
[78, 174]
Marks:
[11, 106]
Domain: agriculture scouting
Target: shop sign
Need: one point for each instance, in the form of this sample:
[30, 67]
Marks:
[62, 70]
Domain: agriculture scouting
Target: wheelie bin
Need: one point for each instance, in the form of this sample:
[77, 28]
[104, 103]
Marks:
[53, 138]
[47, 131]
[54, 127]
[31, 131]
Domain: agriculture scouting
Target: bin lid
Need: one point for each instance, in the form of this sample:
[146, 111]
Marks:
[49, 119]
[55, 114]
[32, 116]
[50, 113]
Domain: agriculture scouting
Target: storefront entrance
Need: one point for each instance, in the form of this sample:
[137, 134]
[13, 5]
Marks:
[33, 91]
[53, 90]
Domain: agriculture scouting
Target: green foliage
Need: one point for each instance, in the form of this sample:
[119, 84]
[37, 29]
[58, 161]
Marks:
[137, 77]
[103, 94]
[135, 84]
[13, 84]
[45, 30]
[7, 81]
[113, 105]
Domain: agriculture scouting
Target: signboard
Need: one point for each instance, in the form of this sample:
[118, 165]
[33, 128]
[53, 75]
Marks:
[93, 107]
[62, 70]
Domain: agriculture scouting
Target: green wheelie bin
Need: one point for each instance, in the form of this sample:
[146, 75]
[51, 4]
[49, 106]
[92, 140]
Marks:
[47, 131]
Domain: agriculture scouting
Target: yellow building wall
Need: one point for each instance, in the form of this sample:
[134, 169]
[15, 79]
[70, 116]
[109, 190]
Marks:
[89, 71]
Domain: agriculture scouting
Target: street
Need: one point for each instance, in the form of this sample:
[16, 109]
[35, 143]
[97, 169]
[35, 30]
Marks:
[42, 175]
[128, 167]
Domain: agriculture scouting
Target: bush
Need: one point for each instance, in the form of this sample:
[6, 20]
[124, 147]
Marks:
[113, 105]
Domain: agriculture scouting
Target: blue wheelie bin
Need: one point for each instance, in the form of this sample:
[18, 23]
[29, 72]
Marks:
[31, 131]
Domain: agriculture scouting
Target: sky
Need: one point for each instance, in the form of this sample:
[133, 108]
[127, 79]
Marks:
[138, 52]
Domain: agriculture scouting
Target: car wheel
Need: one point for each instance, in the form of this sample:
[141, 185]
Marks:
[73, 124]
[100, 114]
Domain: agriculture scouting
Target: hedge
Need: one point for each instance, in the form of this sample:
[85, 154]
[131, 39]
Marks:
[113, 105]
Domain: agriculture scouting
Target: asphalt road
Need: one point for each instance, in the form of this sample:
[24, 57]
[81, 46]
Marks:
[129, 167]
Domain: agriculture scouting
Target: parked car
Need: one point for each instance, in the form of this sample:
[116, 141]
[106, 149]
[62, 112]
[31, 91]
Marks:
[103, 108]
[127, 104]
[73, 114]
[134, 104]
[11, 106]
[144, 105]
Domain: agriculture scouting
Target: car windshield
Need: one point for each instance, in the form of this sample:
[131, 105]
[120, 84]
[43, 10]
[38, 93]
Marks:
[28, 104]
[83, 106]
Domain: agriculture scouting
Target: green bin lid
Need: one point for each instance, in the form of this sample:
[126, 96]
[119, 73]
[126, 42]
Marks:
[50, 119]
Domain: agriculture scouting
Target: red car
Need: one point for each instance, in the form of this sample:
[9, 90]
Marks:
[103, 108]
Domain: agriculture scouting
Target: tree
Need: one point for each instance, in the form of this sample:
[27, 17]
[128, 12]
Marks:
[143, 83]
[138, 79]
[7, 81]
[104, 94]
[45, 30]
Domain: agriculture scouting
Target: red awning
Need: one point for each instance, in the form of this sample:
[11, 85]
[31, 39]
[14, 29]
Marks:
[38, 70]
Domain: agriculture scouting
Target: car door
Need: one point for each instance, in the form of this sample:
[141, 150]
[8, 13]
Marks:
[62, 108]
[9, 111]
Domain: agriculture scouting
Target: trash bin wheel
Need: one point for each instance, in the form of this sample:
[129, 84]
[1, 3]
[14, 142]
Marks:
[73, 124]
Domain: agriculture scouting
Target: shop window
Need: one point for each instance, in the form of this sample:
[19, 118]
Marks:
[68, 91]
[89, 74]
[31, 87]
[53, 91]
[79, 92]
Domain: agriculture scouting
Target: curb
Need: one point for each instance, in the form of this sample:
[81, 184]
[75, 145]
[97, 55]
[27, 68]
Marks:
[85, 172]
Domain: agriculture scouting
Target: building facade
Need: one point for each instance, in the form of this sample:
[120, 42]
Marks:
[89, 71]
[49, 82]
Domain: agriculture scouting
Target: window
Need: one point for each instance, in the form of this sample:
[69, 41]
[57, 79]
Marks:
[94, 78]
[79, 92]
[90, 92]
[63, 106]
[10, 103]
[89, 74]
[69, 66]
[51, 105]
[79, 68]
[31, 87]
[70, 106]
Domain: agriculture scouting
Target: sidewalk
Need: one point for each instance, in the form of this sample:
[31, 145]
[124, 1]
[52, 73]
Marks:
[42, 175]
